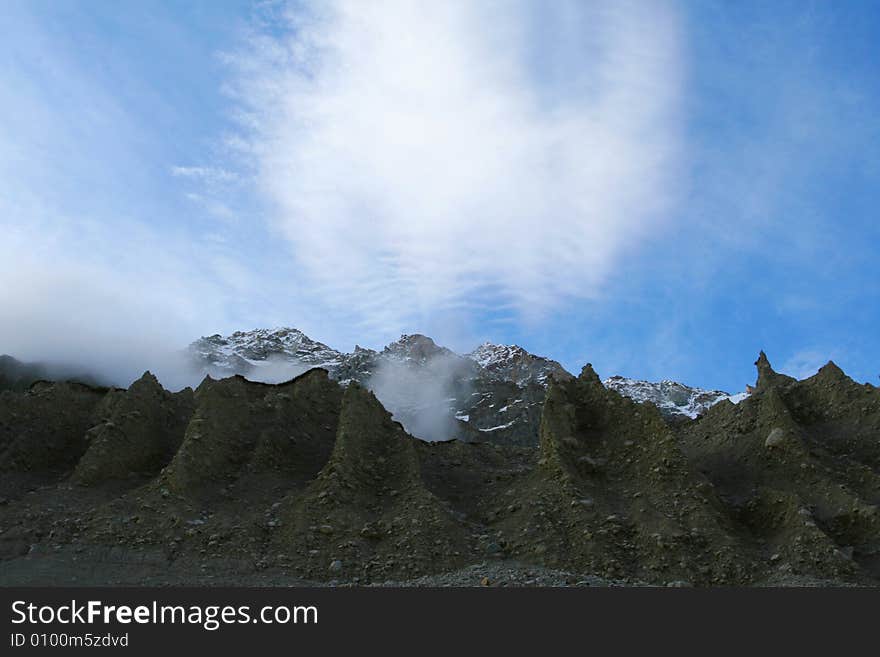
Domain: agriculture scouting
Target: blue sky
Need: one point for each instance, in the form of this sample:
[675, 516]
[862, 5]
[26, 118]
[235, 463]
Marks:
[660, 188]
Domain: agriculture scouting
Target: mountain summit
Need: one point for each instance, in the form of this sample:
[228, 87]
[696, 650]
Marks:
[492, 394]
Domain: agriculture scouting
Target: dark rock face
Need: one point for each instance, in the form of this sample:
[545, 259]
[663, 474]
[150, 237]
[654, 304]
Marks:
[310, 481]
[244, 429]
[140, 430]
[767, 377]
[798, 465]
[494, 394]
[43, 430]
[614, 495]
[368, 507]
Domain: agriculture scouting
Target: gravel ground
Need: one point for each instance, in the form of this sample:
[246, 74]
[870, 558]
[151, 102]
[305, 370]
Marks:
[509, 574]
[87, 568]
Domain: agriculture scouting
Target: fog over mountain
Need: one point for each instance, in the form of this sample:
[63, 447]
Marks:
[493, 393]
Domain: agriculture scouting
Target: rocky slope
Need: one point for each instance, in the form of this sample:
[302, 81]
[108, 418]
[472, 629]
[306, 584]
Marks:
[308, 481]
[492, 394]
[798, 464]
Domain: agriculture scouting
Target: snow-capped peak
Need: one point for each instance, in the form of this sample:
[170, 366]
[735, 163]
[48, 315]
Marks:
[417, 348]
[495, 390]
[513, 363]
[672, 398]
[239, 352]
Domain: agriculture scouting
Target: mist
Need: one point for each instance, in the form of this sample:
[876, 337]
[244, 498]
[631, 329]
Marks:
[276, 369]
[422, 397]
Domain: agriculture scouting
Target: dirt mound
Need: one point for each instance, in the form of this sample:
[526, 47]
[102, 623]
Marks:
[797, 464]
[307, 481]
[244, 447]
[613, 495]
[474, 478]
[241, 429]
[140, 430]
[42, 431]
[368, 512]
[768, 377]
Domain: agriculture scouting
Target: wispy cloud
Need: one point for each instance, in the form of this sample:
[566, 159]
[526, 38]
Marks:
[424, 158]
[97, 269]
[113, 314]
[209, 175]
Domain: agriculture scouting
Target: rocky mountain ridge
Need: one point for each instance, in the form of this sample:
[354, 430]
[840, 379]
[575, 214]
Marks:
[673, 399]
[491, 394]
[309, 481]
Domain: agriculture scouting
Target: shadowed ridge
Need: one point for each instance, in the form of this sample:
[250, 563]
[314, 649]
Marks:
[840, 415]
[241, 427]
[588, 375]
[140, 430]
[767, 376]
[830, 370]
[303, 482]
[314, 371]
[369, 504]
[832, 388]
[798, 465]
[606, 495]
[42, 384]
[42, 431]
[208, 380]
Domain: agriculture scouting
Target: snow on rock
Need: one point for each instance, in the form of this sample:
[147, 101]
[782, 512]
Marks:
[496, 392]
[499, 427]
[672, 398]
[245, 352]
[515, 364]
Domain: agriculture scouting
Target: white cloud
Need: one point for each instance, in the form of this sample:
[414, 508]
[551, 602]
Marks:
[425, 158]
[210, 175]
[426, 161]
[115, 320]
[99, 268]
